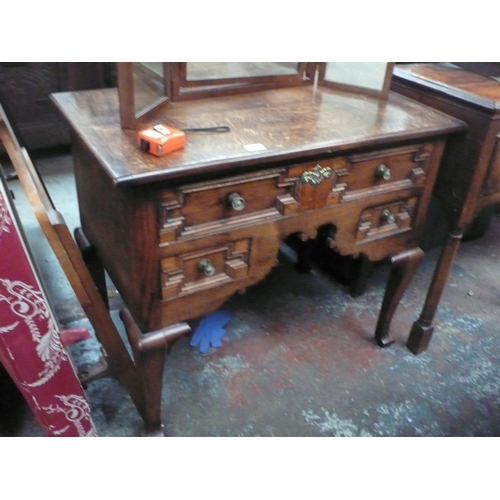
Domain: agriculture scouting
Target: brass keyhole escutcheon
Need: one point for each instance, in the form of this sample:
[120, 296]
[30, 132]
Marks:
[384, 172]
[387, 216]
[206, 266]
[236, 201]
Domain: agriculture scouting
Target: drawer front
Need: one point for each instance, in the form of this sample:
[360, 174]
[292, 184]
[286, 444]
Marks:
[200, 270]
[492, 180]
[207, 206]
[371, 173]
[357, 177]
[386, 220]
[194, 210]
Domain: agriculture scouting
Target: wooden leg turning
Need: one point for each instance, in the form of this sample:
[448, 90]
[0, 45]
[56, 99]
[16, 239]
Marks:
[421, 332]
[142, 375]
[404, 266]
[150, 351]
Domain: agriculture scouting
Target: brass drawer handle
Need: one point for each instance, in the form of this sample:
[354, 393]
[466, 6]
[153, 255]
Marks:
[384, 172]
[387, 216]
[207, 267]
[316, 176]
[236, 201]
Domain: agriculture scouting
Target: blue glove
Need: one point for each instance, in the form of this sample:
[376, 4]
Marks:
[210, 331]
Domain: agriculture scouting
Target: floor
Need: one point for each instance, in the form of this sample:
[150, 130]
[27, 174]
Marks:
[298, 358]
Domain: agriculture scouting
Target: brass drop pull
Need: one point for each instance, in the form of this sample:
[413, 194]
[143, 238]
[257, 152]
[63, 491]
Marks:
[236, 201]
[384, 172]
[387, 216]
[207, 267]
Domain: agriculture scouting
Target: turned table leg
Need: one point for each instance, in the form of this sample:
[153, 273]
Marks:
[150, 351]
[142, 376]
[422, 329]
[404, 266]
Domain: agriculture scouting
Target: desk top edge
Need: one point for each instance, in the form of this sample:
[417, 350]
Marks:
[314, 123]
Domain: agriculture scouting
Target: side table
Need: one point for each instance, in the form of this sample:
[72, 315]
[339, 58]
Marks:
[469, 176]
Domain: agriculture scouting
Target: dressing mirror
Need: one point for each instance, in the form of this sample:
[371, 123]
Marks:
[143, 87]
[196, 71]
[193, 80]
[373, 78]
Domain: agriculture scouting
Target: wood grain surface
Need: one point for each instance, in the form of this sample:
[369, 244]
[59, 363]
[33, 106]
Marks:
[289, 123]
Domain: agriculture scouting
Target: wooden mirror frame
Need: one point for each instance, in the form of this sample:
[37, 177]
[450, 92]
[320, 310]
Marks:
[383, 93]
[184, 89]
[179, 88]
[129, 118]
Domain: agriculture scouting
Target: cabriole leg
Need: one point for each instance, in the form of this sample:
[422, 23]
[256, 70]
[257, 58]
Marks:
[150, 351]
[404, 266]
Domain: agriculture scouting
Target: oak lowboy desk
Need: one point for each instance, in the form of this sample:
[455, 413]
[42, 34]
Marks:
[179, 235]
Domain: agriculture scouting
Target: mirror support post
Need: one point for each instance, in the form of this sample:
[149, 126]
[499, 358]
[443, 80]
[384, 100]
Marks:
[125, 77]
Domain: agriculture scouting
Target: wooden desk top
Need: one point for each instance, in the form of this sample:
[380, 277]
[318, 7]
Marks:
[482, 91]
[290, 123]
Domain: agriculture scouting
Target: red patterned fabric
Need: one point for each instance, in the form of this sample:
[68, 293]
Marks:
[30, 345]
